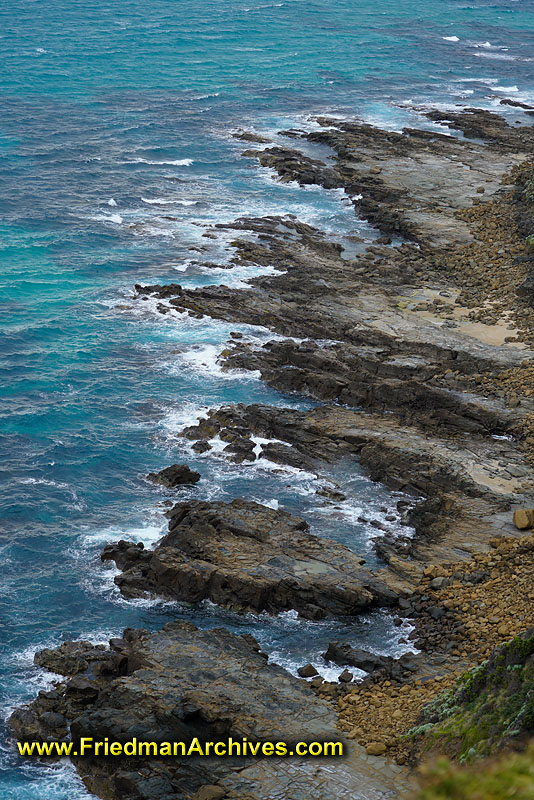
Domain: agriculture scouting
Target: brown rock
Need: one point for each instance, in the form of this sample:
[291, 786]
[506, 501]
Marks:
[308, 671]
[245, 555]
[524, 518]
[375, 749]
[209, 793]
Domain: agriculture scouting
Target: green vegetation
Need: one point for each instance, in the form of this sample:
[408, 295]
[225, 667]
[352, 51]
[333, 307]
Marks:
[528, 190]
[488, 706]
[511, 775]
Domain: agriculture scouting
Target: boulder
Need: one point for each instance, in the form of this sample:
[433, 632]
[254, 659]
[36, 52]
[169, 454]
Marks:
[209, 793]
[308, 671]
[375, 749]
[524, 518]
[175, 475]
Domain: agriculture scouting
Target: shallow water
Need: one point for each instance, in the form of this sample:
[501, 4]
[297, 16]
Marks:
[115, 153]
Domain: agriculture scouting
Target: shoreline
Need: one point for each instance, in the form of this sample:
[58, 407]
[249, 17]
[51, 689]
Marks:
[426, 376]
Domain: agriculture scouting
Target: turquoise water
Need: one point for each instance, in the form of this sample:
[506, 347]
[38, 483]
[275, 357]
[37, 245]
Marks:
[115, 153]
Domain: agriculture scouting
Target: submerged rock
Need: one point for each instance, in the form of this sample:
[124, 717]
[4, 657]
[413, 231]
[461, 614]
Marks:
[247, 556]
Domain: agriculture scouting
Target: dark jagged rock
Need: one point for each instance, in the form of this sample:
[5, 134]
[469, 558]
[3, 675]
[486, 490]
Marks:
[465, 481]
[292, 165]
[180, 683]
[344, 654]
[308, 671]
[248, 556]
[250, 136]
[175, 475]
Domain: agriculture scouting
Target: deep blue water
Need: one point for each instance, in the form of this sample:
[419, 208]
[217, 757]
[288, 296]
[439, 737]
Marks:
[115, 154]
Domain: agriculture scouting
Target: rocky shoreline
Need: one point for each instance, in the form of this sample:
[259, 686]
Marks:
[421, 355]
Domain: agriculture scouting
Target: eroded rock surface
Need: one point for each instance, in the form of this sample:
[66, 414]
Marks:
[247, 556]
[181, 683]
[469, 484]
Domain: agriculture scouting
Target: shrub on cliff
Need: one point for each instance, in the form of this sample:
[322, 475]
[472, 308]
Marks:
[510, 775]
[490, 706]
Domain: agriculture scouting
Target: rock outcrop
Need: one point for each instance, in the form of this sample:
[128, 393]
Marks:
[178, 684]
[175, 475]
[247, 556]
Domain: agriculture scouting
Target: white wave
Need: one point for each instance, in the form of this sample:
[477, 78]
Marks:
[259, 441]
[148, 534]
[77, 503]
[115, 218]
[112, 202]
[177, 419]
[305, 482]
[487, 81]
[502, 57]
[327, 671]
[53, 781]
[238, 277]
[274, 504]
[512, 89]
[40, 50]
[184, 266]
[298, 474]
[144, 229]
[203, 359]
[180, 162]
[45, 482]
[161, 201]
[451, 38]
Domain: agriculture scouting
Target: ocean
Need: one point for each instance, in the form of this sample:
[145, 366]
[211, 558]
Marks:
[116, 153]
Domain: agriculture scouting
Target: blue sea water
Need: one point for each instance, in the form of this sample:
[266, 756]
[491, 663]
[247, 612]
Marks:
[115, 154]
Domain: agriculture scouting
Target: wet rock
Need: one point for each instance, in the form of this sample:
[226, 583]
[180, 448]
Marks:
[343, 654]
[331, 494]
[175, 475]
[308, 671]
[187, 683]
[292, 165]
[201, 447]
[240, 450]
[250, 136]
[245, 555]
[284, 454]
[70, 658]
